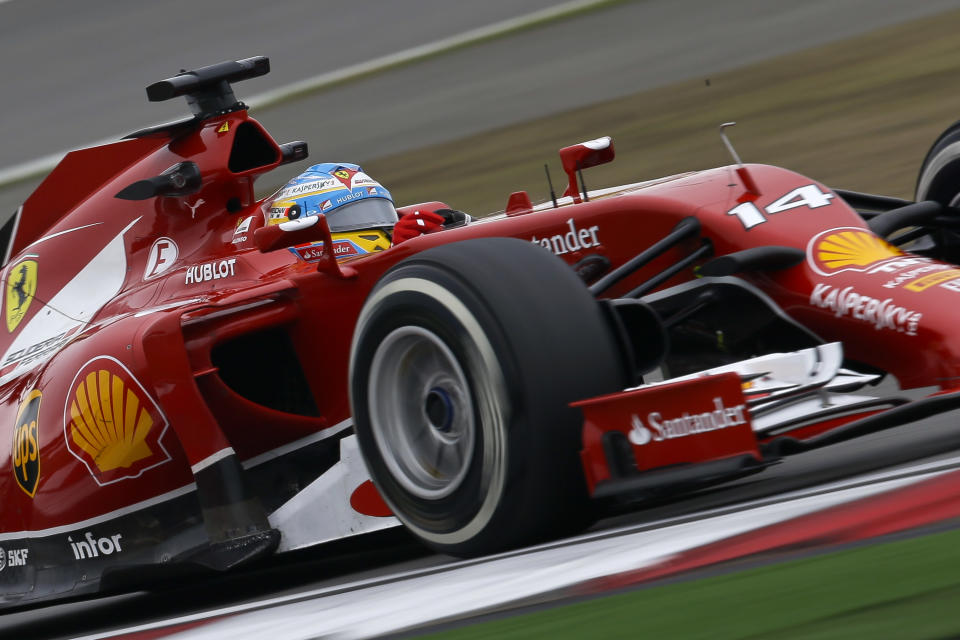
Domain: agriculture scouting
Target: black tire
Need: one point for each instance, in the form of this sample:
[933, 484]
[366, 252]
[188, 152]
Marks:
[470, 353]
[939, 177]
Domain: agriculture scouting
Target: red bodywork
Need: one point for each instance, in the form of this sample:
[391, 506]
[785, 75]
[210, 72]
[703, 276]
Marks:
[112, 396]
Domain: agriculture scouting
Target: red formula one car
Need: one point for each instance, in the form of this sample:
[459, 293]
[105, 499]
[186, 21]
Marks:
[185, 384]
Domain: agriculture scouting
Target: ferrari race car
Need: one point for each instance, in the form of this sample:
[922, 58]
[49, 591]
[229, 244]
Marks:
[190, 378]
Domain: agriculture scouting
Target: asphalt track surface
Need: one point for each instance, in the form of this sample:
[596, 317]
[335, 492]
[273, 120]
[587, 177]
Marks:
[74, 77]
[384, 555]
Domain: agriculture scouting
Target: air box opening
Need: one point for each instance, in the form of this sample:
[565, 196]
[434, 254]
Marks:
[251, 149]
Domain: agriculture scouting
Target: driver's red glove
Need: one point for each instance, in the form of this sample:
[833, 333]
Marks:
[416, 224]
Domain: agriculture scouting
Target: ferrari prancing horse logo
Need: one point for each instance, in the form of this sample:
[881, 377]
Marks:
[345, 176]
[21, 287]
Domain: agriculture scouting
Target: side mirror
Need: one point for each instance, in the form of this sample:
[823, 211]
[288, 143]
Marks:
[303, 231]
[583, 156]
[181, 179]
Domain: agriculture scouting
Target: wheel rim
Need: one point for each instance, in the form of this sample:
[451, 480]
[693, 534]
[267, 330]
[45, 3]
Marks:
[422, 413]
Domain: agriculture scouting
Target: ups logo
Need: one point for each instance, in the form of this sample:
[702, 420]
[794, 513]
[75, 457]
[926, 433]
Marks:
[26, 444]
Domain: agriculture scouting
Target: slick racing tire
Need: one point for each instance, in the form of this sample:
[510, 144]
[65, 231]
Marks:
[939, 177]
[463, 363]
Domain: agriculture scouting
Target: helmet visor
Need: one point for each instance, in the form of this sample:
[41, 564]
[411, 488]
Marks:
[367, 213]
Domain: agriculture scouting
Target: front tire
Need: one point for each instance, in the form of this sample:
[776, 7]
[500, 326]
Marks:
[939, 177]
[464, 361]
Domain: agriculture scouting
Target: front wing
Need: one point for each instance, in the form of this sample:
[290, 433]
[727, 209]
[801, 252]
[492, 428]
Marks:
[729, 421]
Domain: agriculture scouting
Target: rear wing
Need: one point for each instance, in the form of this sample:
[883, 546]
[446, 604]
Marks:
[79, 175]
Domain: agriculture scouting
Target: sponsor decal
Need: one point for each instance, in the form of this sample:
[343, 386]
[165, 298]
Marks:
[345, 176]
[951, 285]
[224, 128]
[243, 225]
[26, 444]
[848, 249]
[193, 207]
[573, 240]
[314, 251]
[919, 278]
[349, 197]
[240, 233]
[344, 248]
[163, 253]
[308, 188]
[88, 546]
[326, 204]
[39, 350]
[210, 271]
[13, 558]
[809, 195]
[921, 284]
[854, 249]
[362, 179]
[371, 191]
[112, 424]
[21, 287]
[685, 425]
[882, 314]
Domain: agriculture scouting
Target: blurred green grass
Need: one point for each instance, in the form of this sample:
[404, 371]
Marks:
[904, 589]
[858, 114]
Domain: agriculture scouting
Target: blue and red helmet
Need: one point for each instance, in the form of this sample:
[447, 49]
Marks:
[350, 199]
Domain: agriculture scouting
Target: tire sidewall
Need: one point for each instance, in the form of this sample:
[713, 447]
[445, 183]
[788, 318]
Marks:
[939, 177]
[423, 297]
[520, 321]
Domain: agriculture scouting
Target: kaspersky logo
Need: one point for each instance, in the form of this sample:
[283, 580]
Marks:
[687, 424]
[21, 287]
[848, 249]
[112, 424]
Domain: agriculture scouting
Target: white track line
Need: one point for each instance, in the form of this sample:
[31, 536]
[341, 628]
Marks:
[324, 80]
[389, 604]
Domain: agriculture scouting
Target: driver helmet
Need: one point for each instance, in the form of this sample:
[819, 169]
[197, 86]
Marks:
[358, 209]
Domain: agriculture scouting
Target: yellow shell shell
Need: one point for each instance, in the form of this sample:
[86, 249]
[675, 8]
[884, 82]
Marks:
[854, 249]
[108, 423]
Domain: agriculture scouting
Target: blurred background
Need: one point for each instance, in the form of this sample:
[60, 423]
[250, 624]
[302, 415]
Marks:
[465, 101]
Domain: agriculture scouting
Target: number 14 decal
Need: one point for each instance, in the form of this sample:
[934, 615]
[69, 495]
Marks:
[805, 196]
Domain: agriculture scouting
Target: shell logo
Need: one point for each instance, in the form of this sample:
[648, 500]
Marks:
[848, 249]
[112, 424]
[639, 434]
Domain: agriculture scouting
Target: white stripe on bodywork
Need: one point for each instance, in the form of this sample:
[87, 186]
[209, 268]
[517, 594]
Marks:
[166, 307]
[321, 511]
[105, 517]
[60, 233]
[323, 434]
[74, 305]
[13, 234]
[212, 459]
